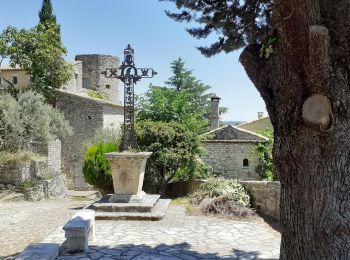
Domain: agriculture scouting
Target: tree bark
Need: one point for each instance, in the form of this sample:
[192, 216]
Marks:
[311, 57]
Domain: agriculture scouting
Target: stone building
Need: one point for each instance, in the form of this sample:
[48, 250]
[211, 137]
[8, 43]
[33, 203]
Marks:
[93, 66]
[85, 114]
[230, 152]
[257, 125]
[17, 76]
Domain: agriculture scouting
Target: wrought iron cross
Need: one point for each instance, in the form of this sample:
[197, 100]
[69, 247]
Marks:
[129, 75]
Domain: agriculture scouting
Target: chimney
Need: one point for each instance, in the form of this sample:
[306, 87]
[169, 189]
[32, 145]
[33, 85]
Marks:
[214, 119]
[260, 115]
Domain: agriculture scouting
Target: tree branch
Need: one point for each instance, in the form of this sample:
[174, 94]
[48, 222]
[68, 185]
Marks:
[258, 71]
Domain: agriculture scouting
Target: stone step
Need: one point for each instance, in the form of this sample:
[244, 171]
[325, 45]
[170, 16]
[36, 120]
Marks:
[148, 202]
[157, 213]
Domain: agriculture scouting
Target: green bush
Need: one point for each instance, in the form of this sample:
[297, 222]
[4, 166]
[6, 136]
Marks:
[174, 151]
[29, 122]
[266, 168]
[96, 168]
[221, 187]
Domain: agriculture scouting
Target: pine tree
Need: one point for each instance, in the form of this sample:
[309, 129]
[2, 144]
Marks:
[46, 12]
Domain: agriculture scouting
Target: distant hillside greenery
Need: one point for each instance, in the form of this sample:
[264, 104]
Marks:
[224, 123]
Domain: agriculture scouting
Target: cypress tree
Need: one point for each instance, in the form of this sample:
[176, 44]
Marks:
[46, 12]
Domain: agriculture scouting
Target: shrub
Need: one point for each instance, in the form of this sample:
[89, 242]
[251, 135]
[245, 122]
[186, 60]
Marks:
[223, 197]
[266, 167]
[95, 94]
[225, 206]
[28, 122]
[174, 151]
[17, 158]
[217, 187]
[96, 168]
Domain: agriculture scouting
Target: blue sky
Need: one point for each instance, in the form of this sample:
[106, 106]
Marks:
[107, 26]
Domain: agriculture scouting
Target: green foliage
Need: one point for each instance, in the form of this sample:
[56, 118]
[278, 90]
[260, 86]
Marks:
[96, 168]
[28, 122]
[40, 53]
[27, 185]
[221, 187]
[174, 150]
[266, 167]
[95, 94]
[184, 100]
[46, 12]
[236, 23]
[266, 48]
[18, 158]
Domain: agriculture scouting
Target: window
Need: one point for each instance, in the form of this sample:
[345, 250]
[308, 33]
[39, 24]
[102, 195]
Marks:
[108, 86]
[0, 80]
[245, 162]
[14, 80]
[86, 83]
[31, 79]
[76, 75]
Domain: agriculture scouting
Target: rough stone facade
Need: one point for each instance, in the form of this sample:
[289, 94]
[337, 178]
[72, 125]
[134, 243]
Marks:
[54, 157]
[265, 197]
[75, 84]
[93, 66]
[226, 159]
[230, 152]
[55, 187]
[86, 115]
[17, 174]
[257, 125]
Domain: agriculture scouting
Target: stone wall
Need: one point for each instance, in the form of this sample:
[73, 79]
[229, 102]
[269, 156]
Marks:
[93, 66]
[226, 159]
[54, 157]
[17, 174]
[265, 197]
[85, 116]
[113, 116]
[75, 84]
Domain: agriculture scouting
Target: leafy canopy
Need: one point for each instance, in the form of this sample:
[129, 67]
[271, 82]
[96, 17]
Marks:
[237, 23]
[184, 99]
[174, 151]
[40, 53]
[28, 122]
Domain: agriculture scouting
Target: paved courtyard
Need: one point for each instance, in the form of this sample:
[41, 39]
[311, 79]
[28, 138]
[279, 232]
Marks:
[22, 222]
[179, 236]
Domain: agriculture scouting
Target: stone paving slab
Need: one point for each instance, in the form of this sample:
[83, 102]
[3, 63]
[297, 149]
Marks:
[178, 236]
[23, 223]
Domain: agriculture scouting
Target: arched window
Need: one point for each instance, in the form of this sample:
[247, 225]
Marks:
[245, 162]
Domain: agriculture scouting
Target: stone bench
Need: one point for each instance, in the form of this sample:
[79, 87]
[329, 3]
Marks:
[79, 230]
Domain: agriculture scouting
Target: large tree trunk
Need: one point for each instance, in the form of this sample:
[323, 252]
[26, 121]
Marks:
[312, 143]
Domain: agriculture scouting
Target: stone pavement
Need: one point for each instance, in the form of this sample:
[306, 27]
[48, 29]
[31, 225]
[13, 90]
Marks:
[22, 222]
[178, 236]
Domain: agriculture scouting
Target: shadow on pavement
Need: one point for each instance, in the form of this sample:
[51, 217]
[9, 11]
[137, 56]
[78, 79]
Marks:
[167, 252]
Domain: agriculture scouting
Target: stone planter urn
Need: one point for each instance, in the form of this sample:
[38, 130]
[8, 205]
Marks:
[128, 170]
